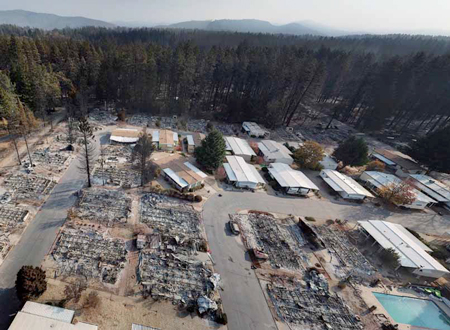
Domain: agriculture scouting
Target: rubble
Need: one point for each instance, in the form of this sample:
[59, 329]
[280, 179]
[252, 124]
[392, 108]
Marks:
[11, 216]
[351, 261]
[104, 206]
[116, 154]
[307, 304]
[28, 186]
[102, 117]
[85, 252]
[113, 176]
[281, 242]
[173, 220]
[51, 160]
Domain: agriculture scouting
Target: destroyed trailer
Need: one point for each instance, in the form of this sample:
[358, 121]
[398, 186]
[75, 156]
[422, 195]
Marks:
[175, 221]
[181, 279]
[282, 243]
[86, 253]
[107, 207]
[113, 176]
[308, 304]
[28, 186]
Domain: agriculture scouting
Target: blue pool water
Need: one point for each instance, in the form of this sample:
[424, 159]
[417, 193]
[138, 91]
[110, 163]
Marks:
[418, 312]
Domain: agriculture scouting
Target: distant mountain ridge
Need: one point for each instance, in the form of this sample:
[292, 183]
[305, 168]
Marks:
[25, 18]
[244, 25]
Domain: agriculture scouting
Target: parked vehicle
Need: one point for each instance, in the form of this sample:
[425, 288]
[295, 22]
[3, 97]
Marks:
[234, 228]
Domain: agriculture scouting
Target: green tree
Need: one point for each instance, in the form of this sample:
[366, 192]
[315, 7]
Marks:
[433, 150]
[87, 153]
[353, 152]
[212, 151]
[309, 155]
[30, 283]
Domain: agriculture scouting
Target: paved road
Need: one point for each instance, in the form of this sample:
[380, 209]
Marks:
[243, 299]
[37, 239]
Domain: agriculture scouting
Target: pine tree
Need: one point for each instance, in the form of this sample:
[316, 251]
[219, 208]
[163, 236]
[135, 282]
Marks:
[212, 151]
[353, 152]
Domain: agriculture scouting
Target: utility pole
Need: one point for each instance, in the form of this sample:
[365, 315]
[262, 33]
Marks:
[28, 150]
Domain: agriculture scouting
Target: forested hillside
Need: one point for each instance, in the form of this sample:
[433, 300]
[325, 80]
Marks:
[396, 82]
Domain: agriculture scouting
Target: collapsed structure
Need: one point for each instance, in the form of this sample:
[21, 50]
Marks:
[412, 252]
[239, 147]
[345, 186]
[28, 186]
[375, 180]
[292, 182]
[242, 175]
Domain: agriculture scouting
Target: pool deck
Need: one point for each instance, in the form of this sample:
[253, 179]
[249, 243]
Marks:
[371, 300]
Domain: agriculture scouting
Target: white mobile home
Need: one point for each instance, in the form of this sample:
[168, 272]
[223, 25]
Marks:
[432, 187]
[241, 174]
[375, 180]
[275, 152]
[413, 254]
[253, 130]
[125, 135]
[345, 186]
[291, 181]
[239, 147]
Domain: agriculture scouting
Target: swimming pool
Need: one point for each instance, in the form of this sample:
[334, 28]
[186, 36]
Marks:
[418, 312]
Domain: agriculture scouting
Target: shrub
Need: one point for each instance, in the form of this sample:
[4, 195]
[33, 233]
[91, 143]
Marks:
[198, 198]
[30, 283]
[92, 300]
[73, 291]
[310, 219]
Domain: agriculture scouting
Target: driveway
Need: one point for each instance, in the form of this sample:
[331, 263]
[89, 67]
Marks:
[242, 297]
[38, 238]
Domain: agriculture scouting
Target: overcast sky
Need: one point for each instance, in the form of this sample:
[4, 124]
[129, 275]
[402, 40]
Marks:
[379, 15]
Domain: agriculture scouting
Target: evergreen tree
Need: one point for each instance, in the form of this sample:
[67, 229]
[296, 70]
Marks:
[353, 152]
[212, 151]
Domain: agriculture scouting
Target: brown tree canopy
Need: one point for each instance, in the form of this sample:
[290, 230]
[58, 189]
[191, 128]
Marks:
[309, 155]
[401, 193]
[30, 283]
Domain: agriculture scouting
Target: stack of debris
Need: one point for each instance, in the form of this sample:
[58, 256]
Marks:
[85, 252]
[307, 304]
[104, 206]
[113, 176]
[281, 242]
[28, 186]
[49, 159]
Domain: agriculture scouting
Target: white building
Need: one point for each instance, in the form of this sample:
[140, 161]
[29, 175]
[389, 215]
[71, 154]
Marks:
[239, 147]
[375, 180]
[125, 135]
[253, 130]
[401, 164]
[432, 187]
[241, 174]
[165, 139]
[344, 185]
[34, 316]
[411, 251]
[275, 152]
[293, 182]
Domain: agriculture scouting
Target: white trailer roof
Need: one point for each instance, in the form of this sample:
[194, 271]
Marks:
[155, 136]
[274, 150]
[253, 128]
[178, 180]
[55, 313]
[196, 170]
[287, 177]
[410, 249]
[238, 170]
[432, 187]
[379, 179]
[125, 135]
[239, 146]
[340, 182]
[190, 140]
[25, 321]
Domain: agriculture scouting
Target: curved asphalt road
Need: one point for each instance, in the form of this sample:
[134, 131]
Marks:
[242, 297]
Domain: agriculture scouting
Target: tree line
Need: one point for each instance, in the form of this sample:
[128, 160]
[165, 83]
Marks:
[397, 83]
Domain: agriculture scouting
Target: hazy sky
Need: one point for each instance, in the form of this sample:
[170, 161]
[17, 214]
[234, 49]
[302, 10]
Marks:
[349, 14]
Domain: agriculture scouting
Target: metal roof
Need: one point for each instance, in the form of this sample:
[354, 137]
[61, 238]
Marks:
[274, 150]
[26, 321]
[379, 179]
[253, 128]
[125, 135]
[340, 182]
[239, 146]
[190, 140]
[241, 171]
[175, 177]
[397, 158]
[196, 170]
[392, 236]
[432, 187]
[287, 177]
[55, 313]
[155, 136]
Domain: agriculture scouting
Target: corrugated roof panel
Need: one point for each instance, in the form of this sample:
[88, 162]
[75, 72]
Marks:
[345, 183]
[155, 136]
[239, 146]
[384, 159]
[142, 327]
[230, 172]
[288, 177]
[174, 176]
[433, 187]
[274, 150]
